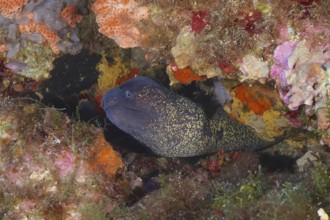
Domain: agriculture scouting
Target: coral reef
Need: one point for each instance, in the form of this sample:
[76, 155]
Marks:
[36, 24]
[55, 167]
[9, 9]
[207, 37]
[302, 75]
[261, 41]
[45, 167]
[223, 35]
[40, 29]
[258, 106]
[272, 57]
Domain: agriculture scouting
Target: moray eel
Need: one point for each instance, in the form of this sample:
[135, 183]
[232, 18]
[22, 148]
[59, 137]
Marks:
[172, 125]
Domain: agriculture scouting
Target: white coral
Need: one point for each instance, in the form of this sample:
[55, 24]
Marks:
[254, 68]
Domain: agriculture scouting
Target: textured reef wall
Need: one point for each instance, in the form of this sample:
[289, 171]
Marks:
[52, 167]
[40, 21]
[247, 41]
[271, 57]
[51, 23]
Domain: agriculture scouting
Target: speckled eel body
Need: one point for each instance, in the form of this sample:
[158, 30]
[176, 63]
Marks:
[172, 125]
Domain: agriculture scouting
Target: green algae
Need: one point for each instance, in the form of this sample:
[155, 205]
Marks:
[321, 186]
[93, 211]
[42, 129]
[179, 197]
[289, 201]
[321, 180]
[4, 128]
[38, 58]
[255, 198]
[240, 195]
[258, 198]
[120, 212]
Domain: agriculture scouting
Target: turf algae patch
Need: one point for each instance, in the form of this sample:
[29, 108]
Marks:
[45, 165]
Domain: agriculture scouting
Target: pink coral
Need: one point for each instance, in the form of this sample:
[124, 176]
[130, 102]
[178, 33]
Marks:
[300, 76]
[116, 20]
[281, 56]
[283, 52]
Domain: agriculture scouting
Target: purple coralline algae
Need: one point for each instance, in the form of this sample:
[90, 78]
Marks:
[46, 171]
[302, 75]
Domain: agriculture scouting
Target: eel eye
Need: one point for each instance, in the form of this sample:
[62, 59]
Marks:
[128, 94]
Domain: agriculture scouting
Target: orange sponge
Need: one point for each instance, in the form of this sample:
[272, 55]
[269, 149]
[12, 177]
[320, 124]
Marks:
[9, 8]
[71, 16]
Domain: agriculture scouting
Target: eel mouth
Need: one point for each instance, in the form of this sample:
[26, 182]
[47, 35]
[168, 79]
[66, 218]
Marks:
[111, 107]
[133, 109]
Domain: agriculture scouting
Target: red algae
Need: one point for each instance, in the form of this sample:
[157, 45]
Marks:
[198, 21]
[227, 67]
[306, 2]
[252, 21]
[214, 164]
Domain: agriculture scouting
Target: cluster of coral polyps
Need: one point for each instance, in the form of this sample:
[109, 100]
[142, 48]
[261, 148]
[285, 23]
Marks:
[41, 21]
[117, 19]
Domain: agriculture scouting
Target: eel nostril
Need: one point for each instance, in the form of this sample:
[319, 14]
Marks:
[113, 101]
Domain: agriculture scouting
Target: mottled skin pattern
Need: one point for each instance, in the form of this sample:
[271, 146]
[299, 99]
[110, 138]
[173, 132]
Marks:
[172, 125]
